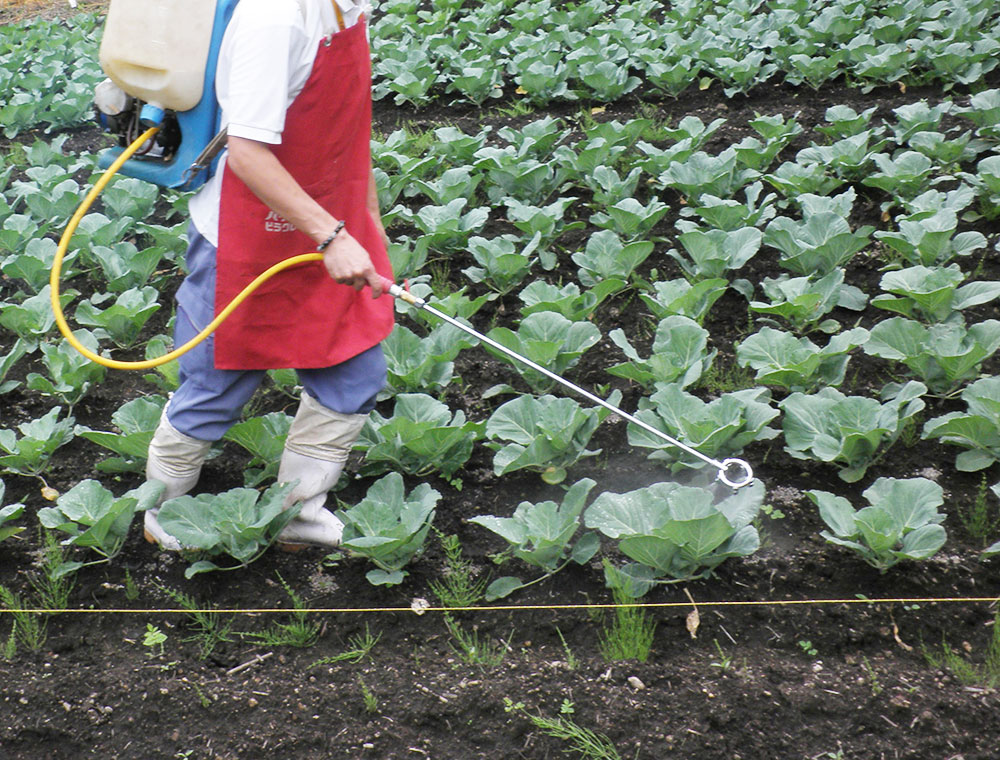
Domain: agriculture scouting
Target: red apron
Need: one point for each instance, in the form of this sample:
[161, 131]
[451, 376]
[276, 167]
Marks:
[301, 318]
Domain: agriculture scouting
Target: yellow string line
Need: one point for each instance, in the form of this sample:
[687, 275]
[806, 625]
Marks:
[526, 607]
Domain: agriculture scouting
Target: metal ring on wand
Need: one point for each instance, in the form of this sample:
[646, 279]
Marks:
[728, 464]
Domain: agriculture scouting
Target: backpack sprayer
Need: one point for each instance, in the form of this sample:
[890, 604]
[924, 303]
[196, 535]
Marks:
[160, 57]
[160, 100]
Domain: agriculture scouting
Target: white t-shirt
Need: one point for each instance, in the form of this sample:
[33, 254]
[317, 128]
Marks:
[265, 59]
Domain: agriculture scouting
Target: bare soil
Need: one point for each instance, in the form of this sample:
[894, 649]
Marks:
[779, 674]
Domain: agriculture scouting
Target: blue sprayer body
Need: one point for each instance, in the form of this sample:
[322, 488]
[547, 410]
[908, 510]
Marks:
[197, 126]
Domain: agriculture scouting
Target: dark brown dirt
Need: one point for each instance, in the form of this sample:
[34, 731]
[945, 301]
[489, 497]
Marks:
[767, 677]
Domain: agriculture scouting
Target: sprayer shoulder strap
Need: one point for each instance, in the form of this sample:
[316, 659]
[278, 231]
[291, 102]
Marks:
[340, 16]
[208, 154]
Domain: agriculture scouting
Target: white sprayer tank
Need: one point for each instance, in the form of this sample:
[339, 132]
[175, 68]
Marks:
[156, 50]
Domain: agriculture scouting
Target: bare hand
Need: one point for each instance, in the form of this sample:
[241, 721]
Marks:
[348, 263]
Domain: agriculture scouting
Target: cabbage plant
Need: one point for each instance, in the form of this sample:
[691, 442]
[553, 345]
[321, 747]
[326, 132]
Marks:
[241, 523]
[931, 238]
[455, 304]
[124, 267]
[71, 375]
[567, 300]
[818, 244]
[718, 429]
[729, 214]
[458, 182]
[542, 535]
[548, 339]
[741, 74]
[32, 319]
[690, 135]
[389, 527]
[264, 437]
[129, 197]
[902, 176]
[537, 139]
[776, 134]
[984, 112]
[8, 514]
[546, 434]
[901, 521]
[977, 429]
[49, 195]
[986, 182]
[675, 533]
[29, 454]
[423, 364]
[780, 358]
[712, 253]
[95, 519]
[844, 121]
[683, 298]
[503, 261]
[606, 80]
[679, 354]
[849, 158]
[608, 187]
[124, 319]
[509, 173]
[800, 177]
[630, 218]
[914, 118]
[669, 75]
[703, 174]
[947, 152]
[849, 431]
[944, 356]
[803, 301]
[421, 437]
[18, 230]
[932, 294]
[136, 421]
[545, 221]
[606, 259]
[446, 228]
[32, 263]
[590, 161]
[7, 362]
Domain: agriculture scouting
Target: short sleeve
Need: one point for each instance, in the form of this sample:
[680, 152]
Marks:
[253, 77]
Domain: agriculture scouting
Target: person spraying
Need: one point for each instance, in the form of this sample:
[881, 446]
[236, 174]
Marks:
[293, 84]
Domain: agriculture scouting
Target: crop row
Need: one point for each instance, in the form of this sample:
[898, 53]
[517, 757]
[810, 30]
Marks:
[600, 50]
[596, 51]
[557, 222]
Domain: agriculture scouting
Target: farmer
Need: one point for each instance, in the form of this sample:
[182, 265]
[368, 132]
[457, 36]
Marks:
[293, 81]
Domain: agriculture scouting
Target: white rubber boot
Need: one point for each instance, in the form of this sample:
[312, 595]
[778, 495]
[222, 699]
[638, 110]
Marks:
[175, 460]
[316, 451]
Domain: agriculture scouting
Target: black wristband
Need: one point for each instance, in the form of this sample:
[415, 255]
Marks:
[336, 231]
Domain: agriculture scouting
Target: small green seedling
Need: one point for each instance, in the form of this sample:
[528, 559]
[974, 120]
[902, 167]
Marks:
[154, 639]
[808, 648]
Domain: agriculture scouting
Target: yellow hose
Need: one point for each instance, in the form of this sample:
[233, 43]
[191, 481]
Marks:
[64, 244]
